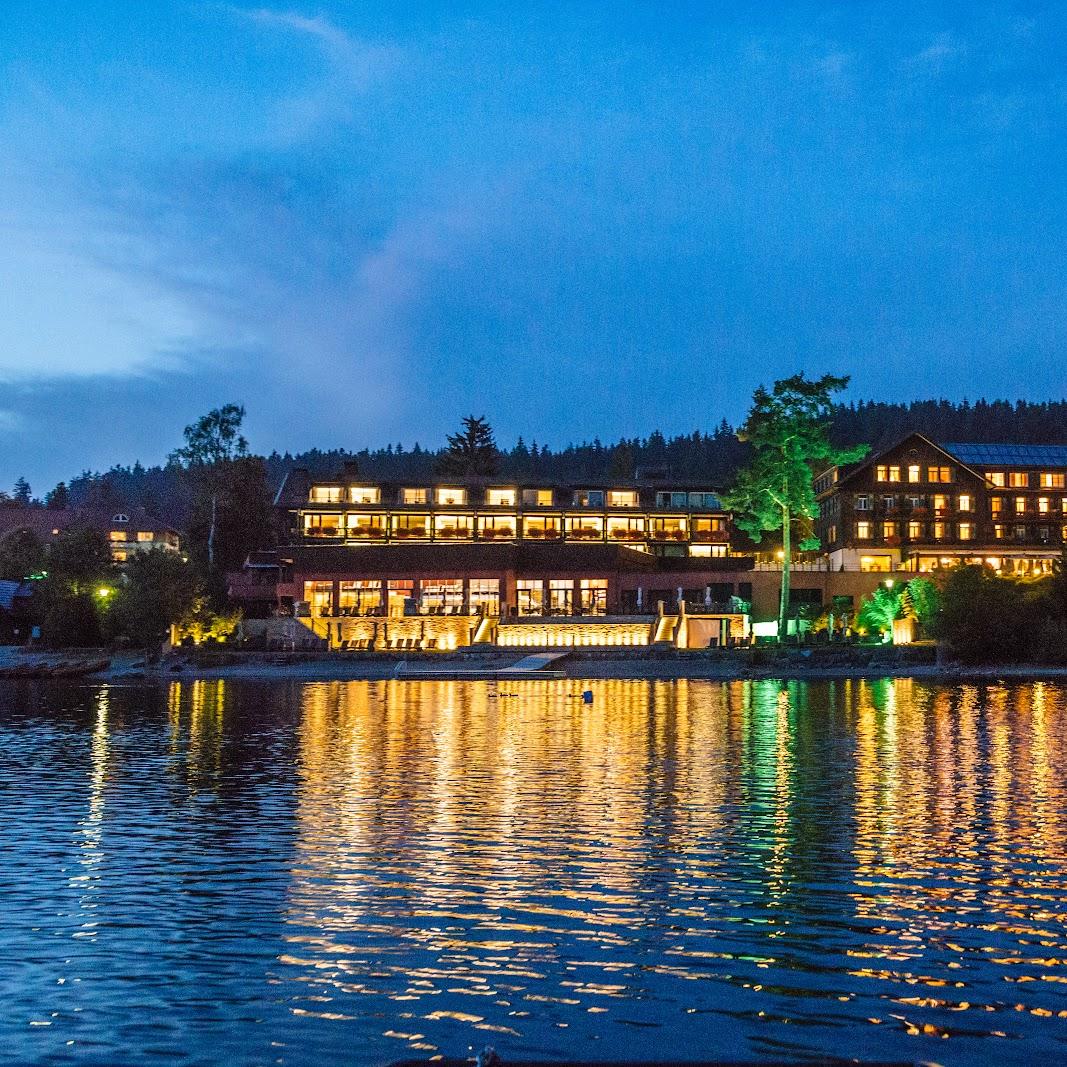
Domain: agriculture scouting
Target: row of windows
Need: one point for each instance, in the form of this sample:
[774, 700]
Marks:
[964, 531]
[891, 472]
[509, 498]
[941, 503]
[504, 527]
[914, 471]
[124, 535]
[1022, 479]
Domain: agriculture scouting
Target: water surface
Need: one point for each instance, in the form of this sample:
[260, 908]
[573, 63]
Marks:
[363, 871]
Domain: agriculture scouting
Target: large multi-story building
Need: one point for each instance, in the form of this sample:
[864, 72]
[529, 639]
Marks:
[920, 505]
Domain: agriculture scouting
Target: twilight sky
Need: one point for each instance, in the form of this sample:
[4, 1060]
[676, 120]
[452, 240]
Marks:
[365, 220]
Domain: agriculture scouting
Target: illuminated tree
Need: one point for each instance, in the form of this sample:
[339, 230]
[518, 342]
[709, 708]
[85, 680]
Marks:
[882, 608]
[471, 451]
[787, 428]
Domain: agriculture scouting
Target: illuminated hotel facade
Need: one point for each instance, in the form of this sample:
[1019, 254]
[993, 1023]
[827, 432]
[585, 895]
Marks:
[919, 506]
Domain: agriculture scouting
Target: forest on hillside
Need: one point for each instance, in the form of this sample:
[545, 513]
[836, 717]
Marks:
[712, 456]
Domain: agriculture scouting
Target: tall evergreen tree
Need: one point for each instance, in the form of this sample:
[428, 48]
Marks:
[471, 451]
[23, 493]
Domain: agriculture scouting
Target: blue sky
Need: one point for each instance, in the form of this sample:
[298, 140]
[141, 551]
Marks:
[365, 220]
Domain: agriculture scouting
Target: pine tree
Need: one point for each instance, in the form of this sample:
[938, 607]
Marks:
[471, 451]
[58, 498]
[23, 493]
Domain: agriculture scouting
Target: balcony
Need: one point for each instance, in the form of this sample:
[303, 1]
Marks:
[499, 533]
[454, 533]
[584, 533]
[542, 535]
[670, 535]
[365, 533]
[412, 533]
[322, 531]
[626, 535]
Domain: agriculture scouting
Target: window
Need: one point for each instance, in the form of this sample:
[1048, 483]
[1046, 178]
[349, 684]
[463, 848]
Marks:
[451, 497]
[500, 498]
[364, 527]
[939, 474]
[915, 530]
[411, 527]
[496, 527]
[485, 595]
[625, 528]
[999, 531]
[560, 596]
[672, 500]
[704, 500]
[117, 535]
[364, 494]
[914, 472]
[940, 504]
[622, 498]
[1020, 533]
[594, 596]
[966, 531]
[708, 528]
[939, 531]
[1052, 480]
[145, 535]
[119, 555]
[877, 564]
[672, 528]
[1044, 533]
[863, 531]
[319, 597]
[537, 498]
[964, 502]
[542, 527]
[589, 498]
[995, 478]
[453, 527]
[863, 502]
[889, 530]
[889, 502]
[831, 533]
[885, 473]
[996, 505]
[441, 596]
[1020, 505]
[706, 551]
[400, 593]
[322, 525]
[531, 594]
[414, 496]
[1019, 480]
[585, 528]
[1042, 505]
[361, 597]
[326, 494]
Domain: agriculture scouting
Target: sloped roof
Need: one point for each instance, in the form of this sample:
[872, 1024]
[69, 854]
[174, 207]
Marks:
[1009, 455]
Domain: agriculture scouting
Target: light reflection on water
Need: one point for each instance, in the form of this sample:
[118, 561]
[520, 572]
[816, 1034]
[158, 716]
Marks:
[287, 873]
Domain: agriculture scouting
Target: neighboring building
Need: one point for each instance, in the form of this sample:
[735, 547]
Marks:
[920, 505]
[128, 530]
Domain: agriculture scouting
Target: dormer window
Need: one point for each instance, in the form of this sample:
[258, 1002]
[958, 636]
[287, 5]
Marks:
[622, 498]
[450, 497]
[500, 498]
[364, 494]
[589, 498]
[414, 496]
[120, 517]
[326, 494]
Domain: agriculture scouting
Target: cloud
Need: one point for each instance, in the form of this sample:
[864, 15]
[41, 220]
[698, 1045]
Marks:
[937, 54]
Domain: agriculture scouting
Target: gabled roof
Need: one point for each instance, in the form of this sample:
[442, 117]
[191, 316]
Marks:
[872, 457]
[1008, 455]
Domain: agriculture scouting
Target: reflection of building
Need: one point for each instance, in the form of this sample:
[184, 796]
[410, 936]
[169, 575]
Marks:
[128, 530]
[919, 505]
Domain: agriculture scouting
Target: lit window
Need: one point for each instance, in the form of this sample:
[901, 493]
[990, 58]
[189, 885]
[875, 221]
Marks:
[326, 494]
[360, 597]
[411, 527]
[966, 531]
[964, 503]
[940, 504]
[364, 494]
[585, 528]
[881, 473]
[117, 535]
[319, 597]
[1042, 505]
[915, 530]
[119, 555]
[364, 527]
[675, 528]
[889, 530]
[453, 527]
[496, 527]
[1020, 505]
[914, 473]
[875, 564]
[1052, 480]
[414, 496]
[622, 528]
[708, 528]
[622, 498]
[322, 525]
[537, 498]
[995, 478]
[939, 474]
[451, 497]
[832, 532]
[145, 535]
[996, 505]
[1019, 480]
[589, 498]
[999, 530]
[500, 498]
[530, 593]
[1063, 504]
[863, 531]
[541, 527]
[939, 531]
[485, 593]
[708, 551]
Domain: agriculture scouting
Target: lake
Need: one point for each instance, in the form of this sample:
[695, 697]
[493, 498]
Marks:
[359, 872]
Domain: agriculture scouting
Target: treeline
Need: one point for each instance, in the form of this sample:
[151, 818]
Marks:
[715, 456]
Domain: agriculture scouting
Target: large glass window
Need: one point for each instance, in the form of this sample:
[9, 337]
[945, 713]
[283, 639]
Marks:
[594, 596]
[589, 498]
[441, 596]
[720, 551]
[537, 498]
[1019, 480]
[450, 497]
[326, 494]
[414, 496]
[1020, 505]
[672, 500]
[530, 593]
[622, 498]
[322, 525]
[585, 528]
[319, 596]
[411, 527]
[939, 474]
[914, 473]
[362, 597]
[940, 504]
[965, 502]
[996, 505]
[670, 528]
[401, 592]
[626, 528]
[1052, 480]
[363, 527]
[364, 494]
[886, 473]
[500, 498]
[915, 530]
[996, 478]
[542, 527]
[485, 595]
[453, 527]
[1042, 505]
[704, 500]
[863, 531]
[708, 528]
[496, 527]
[560, 596]
[889, 530]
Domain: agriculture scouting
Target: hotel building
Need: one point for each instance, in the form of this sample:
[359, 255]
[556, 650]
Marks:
[920, 505]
